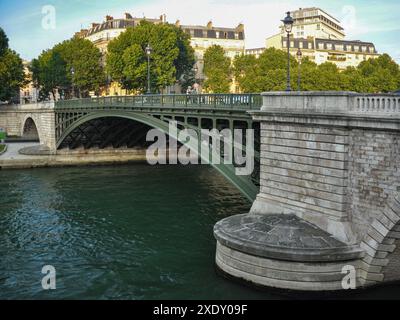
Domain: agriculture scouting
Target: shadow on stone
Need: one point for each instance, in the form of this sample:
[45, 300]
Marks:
[39, 150]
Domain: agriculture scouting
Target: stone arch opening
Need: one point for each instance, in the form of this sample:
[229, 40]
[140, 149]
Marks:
[30, 130]
[382, 246]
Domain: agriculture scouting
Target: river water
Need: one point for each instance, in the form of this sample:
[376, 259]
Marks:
[124, 232]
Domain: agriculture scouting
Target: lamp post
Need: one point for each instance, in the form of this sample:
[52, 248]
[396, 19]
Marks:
[72, 79]
[149, 51]
[195, 70]
[288, 25]
[299, 55]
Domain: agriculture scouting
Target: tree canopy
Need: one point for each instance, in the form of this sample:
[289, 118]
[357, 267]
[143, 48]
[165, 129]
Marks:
[217, 69]
[12, 75]
[73, 65]
[3, 42]
[268, 73]
[172, 57]
[49, 73]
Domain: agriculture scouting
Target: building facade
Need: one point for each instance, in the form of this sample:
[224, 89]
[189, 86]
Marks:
[321, 38]
[254, 52]
[28, 93]
[202, 37]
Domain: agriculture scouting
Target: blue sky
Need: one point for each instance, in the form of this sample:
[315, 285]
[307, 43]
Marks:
[367, 20]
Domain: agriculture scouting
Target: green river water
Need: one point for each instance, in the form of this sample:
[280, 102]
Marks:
[123, 232]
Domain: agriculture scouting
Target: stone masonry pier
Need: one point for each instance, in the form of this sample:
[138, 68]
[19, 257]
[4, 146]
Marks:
[328, 198]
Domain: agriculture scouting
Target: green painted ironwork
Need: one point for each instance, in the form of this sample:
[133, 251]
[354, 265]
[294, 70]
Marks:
[213, 101]
[157, 110]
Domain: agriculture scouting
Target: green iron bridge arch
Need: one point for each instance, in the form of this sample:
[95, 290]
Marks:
[210, 111]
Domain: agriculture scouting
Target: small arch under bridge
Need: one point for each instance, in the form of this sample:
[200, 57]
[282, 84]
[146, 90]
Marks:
[208, 111]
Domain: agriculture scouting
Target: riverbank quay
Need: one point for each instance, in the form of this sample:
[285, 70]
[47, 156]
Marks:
[29, 155]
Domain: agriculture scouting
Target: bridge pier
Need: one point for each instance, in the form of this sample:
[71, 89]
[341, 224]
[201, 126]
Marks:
[328, 198]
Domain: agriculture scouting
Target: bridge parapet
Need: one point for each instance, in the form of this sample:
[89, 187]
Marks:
[213, 101]
[336, 103]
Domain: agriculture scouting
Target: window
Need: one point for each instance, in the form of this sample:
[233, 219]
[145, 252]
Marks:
[309, 45]
[301, 45]
[318, 26]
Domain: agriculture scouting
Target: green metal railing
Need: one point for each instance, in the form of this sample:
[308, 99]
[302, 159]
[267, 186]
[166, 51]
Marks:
[215, 101]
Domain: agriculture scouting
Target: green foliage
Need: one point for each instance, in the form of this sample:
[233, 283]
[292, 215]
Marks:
[268, 73]
[52, 70]
[84, 58]
[12, 75]
[3, 42]
[49, 73]
[172, 57]
[382, 74]
[217, 69]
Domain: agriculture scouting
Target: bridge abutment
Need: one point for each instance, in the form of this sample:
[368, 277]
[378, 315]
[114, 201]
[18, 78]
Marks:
[14, 118]
[331, 160]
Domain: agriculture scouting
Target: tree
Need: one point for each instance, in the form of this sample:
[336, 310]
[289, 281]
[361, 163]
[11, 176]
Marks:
[52, 70]
[81, 56]
[268, 73]
[382, 74]
[12, 75]
[217, 69]
[246, 72]
[49, 73]
[3, 42]
[172, 57]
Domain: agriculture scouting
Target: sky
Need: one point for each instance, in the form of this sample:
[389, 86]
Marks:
[27, 23]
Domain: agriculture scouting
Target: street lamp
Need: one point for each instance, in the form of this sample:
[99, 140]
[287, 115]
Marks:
[149, 51]
[299, 55]
[72, 79]
[196, 85]
[288, 24]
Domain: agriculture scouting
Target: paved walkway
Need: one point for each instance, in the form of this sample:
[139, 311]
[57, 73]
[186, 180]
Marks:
[13, 148]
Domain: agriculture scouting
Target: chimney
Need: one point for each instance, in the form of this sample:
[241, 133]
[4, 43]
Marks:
[240, 27]
[209, 25]
[108, 18]
[128, 16]
[163, 18]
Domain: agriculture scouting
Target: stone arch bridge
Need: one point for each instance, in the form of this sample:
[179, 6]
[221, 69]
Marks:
[327, 198]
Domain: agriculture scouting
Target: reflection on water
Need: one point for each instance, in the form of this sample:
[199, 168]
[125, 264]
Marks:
[129, 232]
